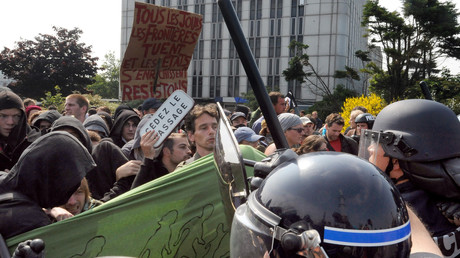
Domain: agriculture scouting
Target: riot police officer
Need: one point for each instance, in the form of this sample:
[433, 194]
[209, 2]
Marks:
[422, 158]
[323, 204]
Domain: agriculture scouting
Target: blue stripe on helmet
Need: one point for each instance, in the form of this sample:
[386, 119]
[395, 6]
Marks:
[352, 237]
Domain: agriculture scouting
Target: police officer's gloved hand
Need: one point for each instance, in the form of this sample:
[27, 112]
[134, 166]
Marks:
[30, 249]
[451, 210]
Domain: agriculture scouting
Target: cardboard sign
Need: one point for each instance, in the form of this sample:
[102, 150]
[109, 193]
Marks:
[168, 116]
[159, 52]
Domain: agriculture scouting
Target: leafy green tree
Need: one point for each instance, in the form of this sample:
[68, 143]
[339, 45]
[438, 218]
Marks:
[296, 71]
[38, 65]
[107, 82]
[333, 103]
[349, 73]
[56, 100]
[411, 42]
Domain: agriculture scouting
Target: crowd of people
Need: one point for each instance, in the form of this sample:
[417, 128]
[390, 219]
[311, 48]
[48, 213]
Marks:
[107, 156]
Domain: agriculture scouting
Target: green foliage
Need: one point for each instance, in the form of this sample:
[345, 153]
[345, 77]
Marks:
[373, 103]
[252, 104]
[49, 60]
[107, 82]
[411, 43]
[333, 103]
[96, 101]
[56, 100]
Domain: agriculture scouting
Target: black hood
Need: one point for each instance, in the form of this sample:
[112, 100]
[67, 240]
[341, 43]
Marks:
[96, 123]
[9, 99]
[107, 118]
[50, 170]
[117, 128]
[49, 115]
[72, 122]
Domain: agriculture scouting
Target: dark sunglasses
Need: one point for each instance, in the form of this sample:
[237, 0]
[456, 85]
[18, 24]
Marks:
[299, 130]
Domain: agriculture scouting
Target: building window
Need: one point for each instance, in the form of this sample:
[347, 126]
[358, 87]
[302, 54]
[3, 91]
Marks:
[182, 5]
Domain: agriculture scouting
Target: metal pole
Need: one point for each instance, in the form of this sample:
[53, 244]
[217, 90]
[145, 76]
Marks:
[252, 71]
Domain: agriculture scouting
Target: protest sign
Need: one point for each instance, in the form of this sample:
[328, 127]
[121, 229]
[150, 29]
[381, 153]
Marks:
[168, 116]
[159, 52]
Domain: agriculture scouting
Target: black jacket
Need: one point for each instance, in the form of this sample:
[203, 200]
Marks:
[21, 136]
[108, 158]
[48, 172]
[348, 144]
[150, 170]
[425, 207]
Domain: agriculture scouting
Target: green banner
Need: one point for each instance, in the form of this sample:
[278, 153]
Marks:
[178, 215]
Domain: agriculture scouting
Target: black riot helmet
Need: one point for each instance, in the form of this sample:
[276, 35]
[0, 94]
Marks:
[323, 203]
[424, 136]
[419, 130]
[365, 118]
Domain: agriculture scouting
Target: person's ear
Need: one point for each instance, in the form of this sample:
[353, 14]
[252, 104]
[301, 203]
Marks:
[166, 152]
[396, 164]
[191, 137]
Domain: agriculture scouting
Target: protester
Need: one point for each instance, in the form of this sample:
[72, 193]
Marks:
[246, 136]
[107, 119]
[79, 202]
[201, 126]
[238, 119]
[15, 133]
[351, 130]
[124, 127]
[76, 105]
[96, 124]
[336, 141]
[176, 149]
[279, 104]
[312, 143]
[293, 130]
[31, 109]
[150, 106]
[45, 119]
[46, 175]
[73, 126]
[316, 119]
[308, 127]
[29, 102]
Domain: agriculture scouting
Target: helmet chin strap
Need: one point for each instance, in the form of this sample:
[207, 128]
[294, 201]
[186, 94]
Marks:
[388, 170]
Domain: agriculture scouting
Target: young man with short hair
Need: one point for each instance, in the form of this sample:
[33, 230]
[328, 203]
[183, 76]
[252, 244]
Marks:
[176, 149]
[76, 105]
[201, 126]
[336, 141]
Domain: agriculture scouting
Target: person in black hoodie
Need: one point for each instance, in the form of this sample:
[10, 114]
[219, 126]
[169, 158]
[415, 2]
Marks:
[124, 127]
[46, 119]
[73, 126]
[15, 134]
[46, 175]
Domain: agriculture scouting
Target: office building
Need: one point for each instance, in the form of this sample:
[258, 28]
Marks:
[331, 28]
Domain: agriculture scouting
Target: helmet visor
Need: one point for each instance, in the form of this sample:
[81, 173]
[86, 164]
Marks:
[369, 145]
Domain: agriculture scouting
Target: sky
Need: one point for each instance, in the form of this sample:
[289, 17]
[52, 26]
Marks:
[100, 21]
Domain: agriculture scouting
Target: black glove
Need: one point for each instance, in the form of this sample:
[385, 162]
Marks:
[451, 210]
[30, 249]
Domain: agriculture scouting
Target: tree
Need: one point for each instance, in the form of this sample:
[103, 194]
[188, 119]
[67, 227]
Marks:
[411, 43]
[332, 103]
[296, 71]
[37, 66]
[107, 82]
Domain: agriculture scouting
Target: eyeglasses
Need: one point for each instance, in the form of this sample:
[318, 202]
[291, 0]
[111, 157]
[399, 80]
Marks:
[299, 130]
